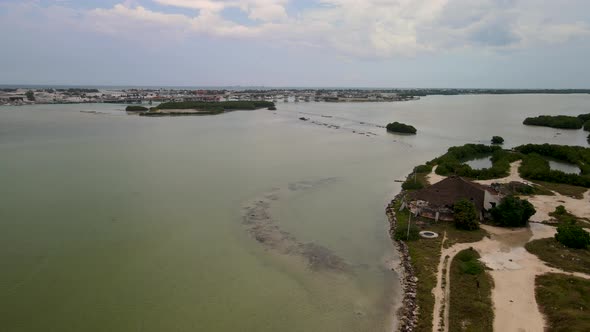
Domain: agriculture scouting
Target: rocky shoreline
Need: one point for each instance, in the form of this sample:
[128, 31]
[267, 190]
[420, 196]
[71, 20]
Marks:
[408, 313]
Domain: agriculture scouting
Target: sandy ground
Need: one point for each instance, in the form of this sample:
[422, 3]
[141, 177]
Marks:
[513, 270]
[514, 176]
[546, 204]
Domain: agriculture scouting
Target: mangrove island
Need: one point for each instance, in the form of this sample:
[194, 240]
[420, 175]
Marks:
[397, 127]
[205, 108]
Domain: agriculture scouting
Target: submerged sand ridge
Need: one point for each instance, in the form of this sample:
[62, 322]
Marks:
[265, 229]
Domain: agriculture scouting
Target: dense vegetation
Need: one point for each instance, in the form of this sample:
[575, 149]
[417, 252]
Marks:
[497, 140]
[535, 167]
[397, 127]
[135, 108]
[558, 121]
[584, 117]
[564, 301]
[512, 212]
[470, 304]
[465, 215]
[587, 126]
[216, 106]
[572, 236]
[453, 162]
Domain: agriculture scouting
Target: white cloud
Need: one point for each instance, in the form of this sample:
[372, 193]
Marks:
[369, 28]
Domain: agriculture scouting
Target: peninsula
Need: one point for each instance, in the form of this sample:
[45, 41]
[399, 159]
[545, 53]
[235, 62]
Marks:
[482, 248]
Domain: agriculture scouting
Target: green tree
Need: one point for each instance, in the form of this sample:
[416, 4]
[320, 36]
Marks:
[30, 95]
[572, 236]
[512, 212]
[465, 215]
[497, 140]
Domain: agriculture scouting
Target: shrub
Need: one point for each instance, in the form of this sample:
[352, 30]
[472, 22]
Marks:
[412, 185]
[572, 236]
[584, 117]
[497, 140]
[469, 262]
[423, 168]
[512, 212]
[465, 215]
[398, 127]
[587, 126]
[558, 121]
[560, 210]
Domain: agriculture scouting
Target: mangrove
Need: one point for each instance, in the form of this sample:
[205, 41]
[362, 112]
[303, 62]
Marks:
[558, 121]
[397, 127]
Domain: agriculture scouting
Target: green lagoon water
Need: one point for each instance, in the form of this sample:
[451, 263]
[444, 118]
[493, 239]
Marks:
[111, 222]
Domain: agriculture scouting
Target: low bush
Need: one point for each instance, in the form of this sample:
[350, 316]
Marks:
[412, 185]
[572, 236]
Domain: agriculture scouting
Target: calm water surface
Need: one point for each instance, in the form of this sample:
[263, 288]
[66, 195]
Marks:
[111, 222]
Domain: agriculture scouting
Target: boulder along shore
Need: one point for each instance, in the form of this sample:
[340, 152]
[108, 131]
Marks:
[408, 312]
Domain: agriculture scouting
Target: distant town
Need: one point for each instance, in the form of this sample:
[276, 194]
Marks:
[28, 96]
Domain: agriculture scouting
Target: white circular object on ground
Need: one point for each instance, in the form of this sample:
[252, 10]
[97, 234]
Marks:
[428, 235]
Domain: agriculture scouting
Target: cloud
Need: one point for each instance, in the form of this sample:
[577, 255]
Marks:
[364, 29]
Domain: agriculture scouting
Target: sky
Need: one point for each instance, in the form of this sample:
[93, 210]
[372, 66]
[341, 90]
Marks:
[292, 43]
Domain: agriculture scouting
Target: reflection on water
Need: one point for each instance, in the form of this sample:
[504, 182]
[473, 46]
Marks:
[565, 167]
[480, 163]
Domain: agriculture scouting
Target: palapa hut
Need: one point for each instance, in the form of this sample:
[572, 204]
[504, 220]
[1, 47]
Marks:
[437, 201]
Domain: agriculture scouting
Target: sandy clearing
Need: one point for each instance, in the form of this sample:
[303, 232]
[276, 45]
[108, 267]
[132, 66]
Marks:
[513, 270]
[433, 178]
[513, 176]
[546, 204]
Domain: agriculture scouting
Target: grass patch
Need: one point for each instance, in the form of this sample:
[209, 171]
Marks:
[557, 255]
[425, 256]
[565, 302]
[471, 290]
[564, 189]
[562, 216]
